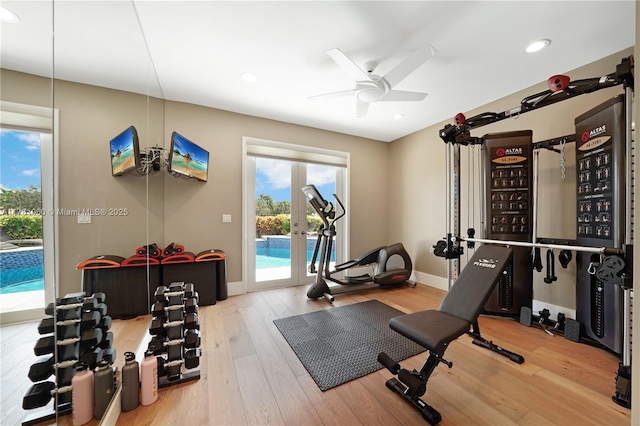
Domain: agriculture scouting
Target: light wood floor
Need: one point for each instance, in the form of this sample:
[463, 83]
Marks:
[250, 375]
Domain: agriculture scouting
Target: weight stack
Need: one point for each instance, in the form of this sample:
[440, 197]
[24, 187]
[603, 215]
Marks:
[76, 329]
[600, 222]
[508, 165]
[175, 328]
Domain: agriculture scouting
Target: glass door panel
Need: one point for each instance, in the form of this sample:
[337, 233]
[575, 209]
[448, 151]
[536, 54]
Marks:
[273, 195]
[324, 179]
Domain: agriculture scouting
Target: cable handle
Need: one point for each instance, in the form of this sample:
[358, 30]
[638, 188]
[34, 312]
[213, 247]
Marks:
[551, 268]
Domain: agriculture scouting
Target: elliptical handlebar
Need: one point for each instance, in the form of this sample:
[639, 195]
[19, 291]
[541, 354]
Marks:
[344, 211]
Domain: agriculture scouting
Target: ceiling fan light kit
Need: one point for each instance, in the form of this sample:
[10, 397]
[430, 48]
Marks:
[373, 88]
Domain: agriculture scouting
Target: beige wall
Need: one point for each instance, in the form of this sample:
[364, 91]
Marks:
[89, 117]
[177, 210]
[193, 210]
[419, 197]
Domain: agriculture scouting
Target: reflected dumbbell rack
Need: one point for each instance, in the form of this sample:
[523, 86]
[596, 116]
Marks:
[78, 332]
[175, 331]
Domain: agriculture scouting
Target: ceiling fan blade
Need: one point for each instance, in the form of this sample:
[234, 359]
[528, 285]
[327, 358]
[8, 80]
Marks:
[409, 65]
[339, 94]
[348, 65]
[361, 108]
[401, 95]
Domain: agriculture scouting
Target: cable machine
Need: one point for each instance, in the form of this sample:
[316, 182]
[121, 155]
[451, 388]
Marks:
[604, 203]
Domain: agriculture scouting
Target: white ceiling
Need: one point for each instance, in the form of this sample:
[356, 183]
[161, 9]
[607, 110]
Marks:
[198, 50]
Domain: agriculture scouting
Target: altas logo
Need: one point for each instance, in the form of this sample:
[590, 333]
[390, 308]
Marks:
[513, 151]
[587, 135]
[501, 152]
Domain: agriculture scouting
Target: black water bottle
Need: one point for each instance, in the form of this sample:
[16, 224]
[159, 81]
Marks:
[130, 382]
[103, 385]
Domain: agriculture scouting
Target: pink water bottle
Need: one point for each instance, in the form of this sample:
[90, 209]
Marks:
[82, 394]
[149, 379]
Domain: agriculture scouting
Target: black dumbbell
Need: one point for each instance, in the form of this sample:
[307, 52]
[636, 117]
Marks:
[41, 393]
[67, 348]
[105, 324]
[160, 327]
[72, 327]
[171, 369]
[191, 340]
[107, 340]
[174, 293]
[46, 366]
[64, 330]
[72, 302]
[160, 309]
[93, 356]
[174, 352]
[191, 358]
[71, 308]
[161, 370]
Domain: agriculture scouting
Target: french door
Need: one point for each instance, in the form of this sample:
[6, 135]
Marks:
[282, 227]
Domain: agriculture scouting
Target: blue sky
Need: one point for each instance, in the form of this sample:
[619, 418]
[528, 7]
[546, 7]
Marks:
[273, 177]
[19, 159]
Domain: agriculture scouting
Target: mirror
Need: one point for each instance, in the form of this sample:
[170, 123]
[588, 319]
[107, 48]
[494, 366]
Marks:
[95, 213]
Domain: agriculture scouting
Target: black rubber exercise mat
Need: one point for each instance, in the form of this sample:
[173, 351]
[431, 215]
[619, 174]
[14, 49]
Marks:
[340, 344]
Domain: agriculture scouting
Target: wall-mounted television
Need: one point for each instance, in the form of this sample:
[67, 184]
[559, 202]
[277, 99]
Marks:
[187, 158]
[125, 152]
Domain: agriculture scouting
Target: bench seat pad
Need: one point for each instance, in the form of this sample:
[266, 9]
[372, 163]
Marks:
[431, 329]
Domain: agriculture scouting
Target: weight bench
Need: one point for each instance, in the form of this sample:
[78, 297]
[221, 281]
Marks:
[436, 329]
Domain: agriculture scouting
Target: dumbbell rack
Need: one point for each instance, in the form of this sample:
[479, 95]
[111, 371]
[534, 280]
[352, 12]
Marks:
[175, 328]
[76, 329]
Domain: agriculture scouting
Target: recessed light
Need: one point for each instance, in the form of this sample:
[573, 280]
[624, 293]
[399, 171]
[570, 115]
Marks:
[536, 46]
[8, 16]
[248, 77]
[398, 116]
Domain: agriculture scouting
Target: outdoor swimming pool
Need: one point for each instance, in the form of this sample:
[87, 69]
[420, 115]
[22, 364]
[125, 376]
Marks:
[275, 252]
[21, 270]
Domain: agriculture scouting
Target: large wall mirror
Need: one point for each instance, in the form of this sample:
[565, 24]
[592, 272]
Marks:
[86, 212]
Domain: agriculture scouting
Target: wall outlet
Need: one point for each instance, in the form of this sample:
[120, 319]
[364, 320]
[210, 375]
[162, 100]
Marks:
[226, 218]
[84, 218]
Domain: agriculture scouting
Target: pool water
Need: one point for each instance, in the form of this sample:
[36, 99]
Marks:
[23, 286]
[279, 257]
[21, 270]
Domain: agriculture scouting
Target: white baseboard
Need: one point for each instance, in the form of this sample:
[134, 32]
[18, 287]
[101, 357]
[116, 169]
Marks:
[435, 281]
[236, 288]
[28, 315]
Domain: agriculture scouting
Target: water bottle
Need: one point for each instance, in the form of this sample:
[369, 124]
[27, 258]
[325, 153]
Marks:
[130, 382]
[82, 394]
[149, 378]
[103, 388]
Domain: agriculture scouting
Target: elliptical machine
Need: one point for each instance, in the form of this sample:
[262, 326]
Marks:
[392, 267]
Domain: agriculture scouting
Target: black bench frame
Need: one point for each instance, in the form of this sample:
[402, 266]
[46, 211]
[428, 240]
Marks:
[436, 329]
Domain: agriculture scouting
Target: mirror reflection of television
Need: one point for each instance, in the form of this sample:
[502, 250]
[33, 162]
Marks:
[125, 152]
[187, 158]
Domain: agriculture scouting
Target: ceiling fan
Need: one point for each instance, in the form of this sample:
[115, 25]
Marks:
[373, 88]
